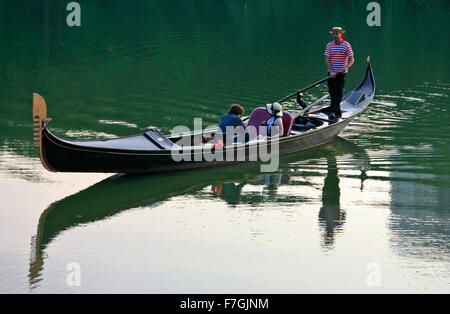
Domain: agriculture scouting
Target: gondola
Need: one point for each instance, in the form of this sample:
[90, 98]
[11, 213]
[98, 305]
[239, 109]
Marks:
[154, 152]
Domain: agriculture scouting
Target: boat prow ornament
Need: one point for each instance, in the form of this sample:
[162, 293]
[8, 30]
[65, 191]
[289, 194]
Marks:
[39, 118]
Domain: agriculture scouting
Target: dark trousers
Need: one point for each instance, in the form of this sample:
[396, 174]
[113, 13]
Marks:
[336, 90]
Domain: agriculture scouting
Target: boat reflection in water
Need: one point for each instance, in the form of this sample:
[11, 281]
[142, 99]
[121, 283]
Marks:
[231, 192]
[119, 193]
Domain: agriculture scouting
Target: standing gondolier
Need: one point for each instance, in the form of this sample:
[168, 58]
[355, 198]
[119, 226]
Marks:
[338, 58]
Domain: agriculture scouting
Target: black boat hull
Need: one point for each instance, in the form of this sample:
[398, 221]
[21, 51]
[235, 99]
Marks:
[56, 155]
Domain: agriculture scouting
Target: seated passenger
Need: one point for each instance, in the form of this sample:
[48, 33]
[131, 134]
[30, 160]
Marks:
[233, 119]
[276, 120]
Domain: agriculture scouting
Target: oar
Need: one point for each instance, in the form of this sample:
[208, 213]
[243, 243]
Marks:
[303, 111]
[304, 89]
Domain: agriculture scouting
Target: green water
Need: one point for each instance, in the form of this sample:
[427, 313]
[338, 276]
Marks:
[378, 194]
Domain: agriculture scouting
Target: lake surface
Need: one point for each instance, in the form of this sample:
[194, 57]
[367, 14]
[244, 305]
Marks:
[368, 212]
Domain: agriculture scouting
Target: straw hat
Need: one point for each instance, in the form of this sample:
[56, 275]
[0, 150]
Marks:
[275, 109]
[337, 29]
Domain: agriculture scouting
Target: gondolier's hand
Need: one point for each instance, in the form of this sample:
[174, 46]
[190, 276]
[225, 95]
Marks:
[332, 74]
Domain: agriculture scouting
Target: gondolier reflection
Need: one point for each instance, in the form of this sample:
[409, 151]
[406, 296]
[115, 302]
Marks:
[338, 58]
[331, 216]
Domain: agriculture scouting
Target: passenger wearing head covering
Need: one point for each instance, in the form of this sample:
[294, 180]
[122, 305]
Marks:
[275, 123]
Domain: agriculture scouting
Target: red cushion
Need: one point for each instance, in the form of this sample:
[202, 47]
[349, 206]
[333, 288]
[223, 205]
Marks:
[259, 115]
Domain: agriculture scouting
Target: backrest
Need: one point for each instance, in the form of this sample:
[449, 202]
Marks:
[259, 115]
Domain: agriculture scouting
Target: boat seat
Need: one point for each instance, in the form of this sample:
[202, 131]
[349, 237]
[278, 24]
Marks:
[158, 139]
[260, 115]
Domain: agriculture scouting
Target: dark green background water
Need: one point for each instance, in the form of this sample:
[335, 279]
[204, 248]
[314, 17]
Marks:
[136, 64]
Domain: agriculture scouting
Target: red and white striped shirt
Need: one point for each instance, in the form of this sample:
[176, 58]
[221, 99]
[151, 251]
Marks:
[339, 54]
